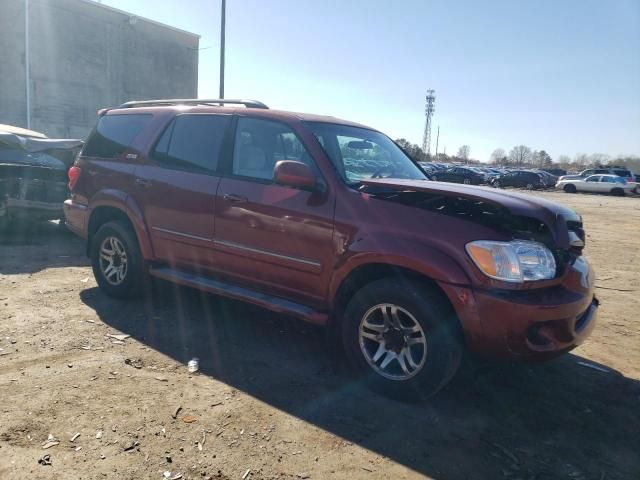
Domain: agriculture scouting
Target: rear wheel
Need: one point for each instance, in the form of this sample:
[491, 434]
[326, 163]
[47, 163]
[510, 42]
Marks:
[116, 261]
[619, 192]
[466, 181]
[570, 188]
[497, 184]
[435, 178]
[530, 186]
[403, 338]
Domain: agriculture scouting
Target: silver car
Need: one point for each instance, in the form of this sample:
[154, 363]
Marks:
[596, 183]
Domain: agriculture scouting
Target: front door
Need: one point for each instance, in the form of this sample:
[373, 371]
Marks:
[274, 237]
[176, 187]
[592, 184]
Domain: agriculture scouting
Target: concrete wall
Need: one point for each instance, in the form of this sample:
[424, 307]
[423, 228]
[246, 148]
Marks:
[84, 57]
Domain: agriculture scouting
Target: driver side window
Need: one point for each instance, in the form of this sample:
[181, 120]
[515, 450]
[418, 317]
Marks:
[260, 144]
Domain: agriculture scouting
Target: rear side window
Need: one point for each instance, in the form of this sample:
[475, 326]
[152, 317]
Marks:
[622, 173]
[113, 134]
[192, 142]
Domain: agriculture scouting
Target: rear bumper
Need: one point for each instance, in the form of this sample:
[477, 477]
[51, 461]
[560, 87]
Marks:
[533, 324]
[76, 217]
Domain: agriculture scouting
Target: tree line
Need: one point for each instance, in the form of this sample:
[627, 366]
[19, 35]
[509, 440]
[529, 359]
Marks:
[522, 156]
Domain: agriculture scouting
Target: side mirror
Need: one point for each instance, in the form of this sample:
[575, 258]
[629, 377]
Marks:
[294, 174]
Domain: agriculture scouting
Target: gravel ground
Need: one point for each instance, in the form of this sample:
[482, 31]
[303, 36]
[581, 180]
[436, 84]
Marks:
[271, 400]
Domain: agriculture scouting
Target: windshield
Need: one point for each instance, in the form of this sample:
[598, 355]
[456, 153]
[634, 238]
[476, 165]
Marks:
[359, 153]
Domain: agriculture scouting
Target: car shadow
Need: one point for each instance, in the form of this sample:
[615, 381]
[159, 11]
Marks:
[554, 420]
[35, 246]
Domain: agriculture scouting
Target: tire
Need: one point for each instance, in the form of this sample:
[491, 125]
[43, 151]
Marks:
[570, 188]
[466, 181]
[435, 178]
[437, 350]
[116, 237]
[529, 186]
[618, 192]
[496, 184]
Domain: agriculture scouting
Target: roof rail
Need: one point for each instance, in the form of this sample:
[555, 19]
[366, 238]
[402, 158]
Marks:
[193, 101]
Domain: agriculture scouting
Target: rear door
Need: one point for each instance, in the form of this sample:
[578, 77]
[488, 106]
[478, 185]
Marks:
[176, 187]
[274, 237]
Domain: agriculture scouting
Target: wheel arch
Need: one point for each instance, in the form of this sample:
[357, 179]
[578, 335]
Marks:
[116, 206]
[369, 272]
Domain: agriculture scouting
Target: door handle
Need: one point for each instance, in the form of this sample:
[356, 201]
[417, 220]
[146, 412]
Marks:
[143, 183]
[232, 197]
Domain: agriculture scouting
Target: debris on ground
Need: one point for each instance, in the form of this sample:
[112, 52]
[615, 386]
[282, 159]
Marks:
[174, 415]
[51, 441]
[134, 362]
[99, 434]
[131, 445]
[193, 365]
[119, 336]
[45, 461]
[246, 474]
[189, 419]
[73, 439]
[162, 379]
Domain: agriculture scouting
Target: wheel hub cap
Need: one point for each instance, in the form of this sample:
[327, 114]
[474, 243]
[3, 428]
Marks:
[113, 260]
[392, 342]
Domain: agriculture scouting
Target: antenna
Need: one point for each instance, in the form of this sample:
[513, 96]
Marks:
[428, 111]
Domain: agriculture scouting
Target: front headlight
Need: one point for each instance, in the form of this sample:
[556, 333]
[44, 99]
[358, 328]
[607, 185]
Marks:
[517, 261]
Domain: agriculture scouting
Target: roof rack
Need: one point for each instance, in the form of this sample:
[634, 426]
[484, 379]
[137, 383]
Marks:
[193, 101]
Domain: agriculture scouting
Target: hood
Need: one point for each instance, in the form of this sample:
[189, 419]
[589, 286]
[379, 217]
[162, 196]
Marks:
[558, 218]
[39, 152]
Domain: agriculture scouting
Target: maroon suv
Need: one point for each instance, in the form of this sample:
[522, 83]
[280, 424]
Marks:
[329, 221]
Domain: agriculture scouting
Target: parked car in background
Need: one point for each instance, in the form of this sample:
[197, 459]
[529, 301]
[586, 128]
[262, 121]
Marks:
[549, 179]
[623, 172]
[612, 184]
[466, 175]
[261, 205]
[33, 175]
[558, 172]
[520, 178]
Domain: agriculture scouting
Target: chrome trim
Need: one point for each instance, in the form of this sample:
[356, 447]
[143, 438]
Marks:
[180, 234]
[239, 246]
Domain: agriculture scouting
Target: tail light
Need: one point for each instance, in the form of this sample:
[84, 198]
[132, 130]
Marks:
[73, 174]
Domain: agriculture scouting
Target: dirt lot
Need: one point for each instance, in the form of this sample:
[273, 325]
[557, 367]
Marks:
[270, 398]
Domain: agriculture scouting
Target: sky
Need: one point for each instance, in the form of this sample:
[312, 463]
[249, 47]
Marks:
[558, 75]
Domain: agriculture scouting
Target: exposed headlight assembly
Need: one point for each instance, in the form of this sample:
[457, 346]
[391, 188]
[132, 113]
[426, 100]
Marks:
[516, 261]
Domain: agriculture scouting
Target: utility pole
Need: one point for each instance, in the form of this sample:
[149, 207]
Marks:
[222, 28]
[27, 61]
[437, 140]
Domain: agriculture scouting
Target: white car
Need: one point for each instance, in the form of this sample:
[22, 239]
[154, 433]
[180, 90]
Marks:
[596, 183]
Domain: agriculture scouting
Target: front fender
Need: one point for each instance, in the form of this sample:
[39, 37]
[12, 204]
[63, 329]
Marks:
[422, 259]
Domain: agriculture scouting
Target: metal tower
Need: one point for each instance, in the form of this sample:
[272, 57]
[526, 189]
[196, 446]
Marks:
[428, 111]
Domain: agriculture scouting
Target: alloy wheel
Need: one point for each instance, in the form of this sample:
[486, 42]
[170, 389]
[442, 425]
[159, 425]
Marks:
[392, 342]
[113, 260]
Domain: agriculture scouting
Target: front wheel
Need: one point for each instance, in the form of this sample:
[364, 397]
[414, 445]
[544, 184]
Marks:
[530, 186]
[466, 181]
[402, 337]
[570, 188]
[116, 260]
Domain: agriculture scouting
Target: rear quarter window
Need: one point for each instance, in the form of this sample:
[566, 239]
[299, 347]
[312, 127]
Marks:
[192, 142]
[113, 134]
[622, 173]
